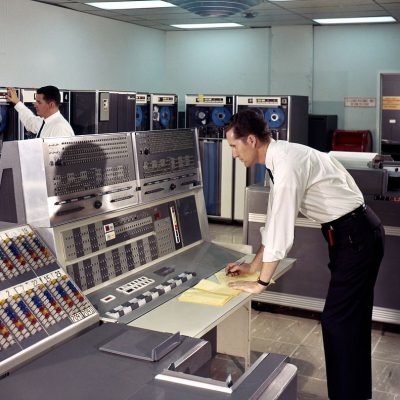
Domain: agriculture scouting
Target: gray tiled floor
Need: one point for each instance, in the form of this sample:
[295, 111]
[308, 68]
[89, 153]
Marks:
[286, 332]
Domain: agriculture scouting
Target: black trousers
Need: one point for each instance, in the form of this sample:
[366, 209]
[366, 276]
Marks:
[356, 246]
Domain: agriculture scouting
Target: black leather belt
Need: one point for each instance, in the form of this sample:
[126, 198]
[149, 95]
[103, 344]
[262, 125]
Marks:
[333, 224]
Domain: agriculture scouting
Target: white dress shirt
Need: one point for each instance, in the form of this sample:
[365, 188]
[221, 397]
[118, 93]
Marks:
[308, 181]
[55, 125]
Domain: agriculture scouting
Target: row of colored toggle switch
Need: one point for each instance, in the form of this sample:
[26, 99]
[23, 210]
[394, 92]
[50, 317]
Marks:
[21, 253]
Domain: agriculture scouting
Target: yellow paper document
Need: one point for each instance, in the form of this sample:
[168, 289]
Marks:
[224, 279]
[208, 293]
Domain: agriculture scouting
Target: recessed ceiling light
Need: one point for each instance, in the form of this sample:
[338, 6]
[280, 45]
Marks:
[362, 20]
[128, 5]
[205, 26]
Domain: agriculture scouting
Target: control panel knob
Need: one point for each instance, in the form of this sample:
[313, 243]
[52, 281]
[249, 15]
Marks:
[97, 204]
[172, 186]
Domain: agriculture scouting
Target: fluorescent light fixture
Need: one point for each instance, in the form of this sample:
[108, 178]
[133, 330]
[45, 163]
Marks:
[361, 20]
[128, 5]
[207, 26]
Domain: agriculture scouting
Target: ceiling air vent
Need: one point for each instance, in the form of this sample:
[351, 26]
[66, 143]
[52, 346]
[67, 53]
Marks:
[212, 8]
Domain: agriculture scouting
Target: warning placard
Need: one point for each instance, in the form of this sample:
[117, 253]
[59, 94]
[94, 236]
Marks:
[391, 103]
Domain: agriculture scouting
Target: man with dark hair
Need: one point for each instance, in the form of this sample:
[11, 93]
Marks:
[48, 122]
[306, 180]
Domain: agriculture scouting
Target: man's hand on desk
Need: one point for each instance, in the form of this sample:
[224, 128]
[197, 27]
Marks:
[237, 269]
[246, 286]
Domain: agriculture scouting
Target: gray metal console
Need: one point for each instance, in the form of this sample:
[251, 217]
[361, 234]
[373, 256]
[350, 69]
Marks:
[79, 370]
[124, 219]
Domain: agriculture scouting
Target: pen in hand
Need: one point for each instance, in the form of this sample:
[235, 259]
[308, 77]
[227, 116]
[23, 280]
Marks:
[234, 273]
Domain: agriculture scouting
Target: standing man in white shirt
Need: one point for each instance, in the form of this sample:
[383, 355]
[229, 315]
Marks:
[48, 122]
[315, 184]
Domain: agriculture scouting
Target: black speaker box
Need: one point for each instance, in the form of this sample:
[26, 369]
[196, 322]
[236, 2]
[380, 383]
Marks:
[320, 130]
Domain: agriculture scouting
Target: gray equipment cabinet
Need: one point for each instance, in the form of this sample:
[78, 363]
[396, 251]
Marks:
[306, 285]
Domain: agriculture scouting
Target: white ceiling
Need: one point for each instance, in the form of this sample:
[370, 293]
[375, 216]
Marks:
[265, 14]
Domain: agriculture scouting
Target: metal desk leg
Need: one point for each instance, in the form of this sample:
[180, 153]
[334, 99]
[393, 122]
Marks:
[233, 334]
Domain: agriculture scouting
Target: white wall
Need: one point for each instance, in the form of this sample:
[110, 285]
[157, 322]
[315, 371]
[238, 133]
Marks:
[42, 44]
[242, 61]
[292, 60]
[218, 62]
[347, 63]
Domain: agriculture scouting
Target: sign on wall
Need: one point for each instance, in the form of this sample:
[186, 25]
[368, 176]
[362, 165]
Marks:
[391, 103]
[360, 102]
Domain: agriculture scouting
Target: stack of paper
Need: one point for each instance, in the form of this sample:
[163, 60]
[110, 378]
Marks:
[209, 293]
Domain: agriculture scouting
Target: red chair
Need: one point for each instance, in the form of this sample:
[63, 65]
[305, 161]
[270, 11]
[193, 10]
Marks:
[343, 140]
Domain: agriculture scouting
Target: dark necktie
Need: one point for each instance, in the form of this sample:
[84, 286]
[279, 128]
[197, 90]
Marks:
[40, 130]
[270, 175]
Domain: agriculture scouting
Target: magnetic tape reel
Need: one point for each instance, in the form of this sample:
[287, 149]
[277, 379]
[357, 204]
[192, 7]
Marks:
[156, 113]
[139, 117]
[165, 116]
[201, 115]
[162, 115]
[221, 116]
[3, 118]
[275, 117]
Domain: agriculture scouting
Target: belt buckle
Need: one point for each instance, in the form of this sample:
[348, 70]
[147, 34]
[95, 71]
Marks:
[358, 210]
